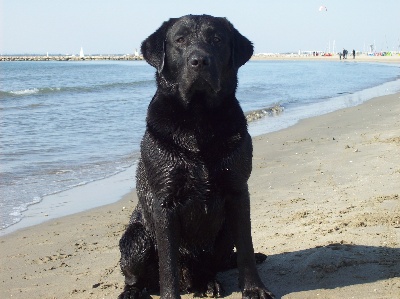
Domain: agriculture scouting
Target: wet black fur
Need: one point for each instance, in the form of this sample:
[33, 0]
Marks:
[195, 162]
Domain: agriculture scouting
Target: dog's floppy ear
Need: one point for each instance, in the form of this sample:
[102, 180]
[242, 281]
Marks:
[242, 48]
[153, 47]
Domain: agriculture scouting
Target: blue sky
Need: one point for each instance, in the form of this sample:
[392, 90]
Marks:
[119, 26]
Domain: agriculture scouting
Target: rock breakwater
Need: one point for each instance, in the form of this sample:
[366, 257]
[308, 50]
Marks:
[69, 58]
[260, 113]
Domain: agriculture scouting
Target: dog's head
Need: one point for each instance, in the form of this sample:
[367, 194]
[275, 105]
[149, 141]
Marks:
[197, 54]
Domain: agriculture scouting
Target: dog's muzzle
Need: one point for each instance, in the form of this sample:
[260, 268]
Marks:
[203, 71]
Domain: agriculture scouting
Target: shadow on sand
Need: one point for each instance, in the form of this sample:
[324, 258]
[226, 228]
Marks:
[329, 267]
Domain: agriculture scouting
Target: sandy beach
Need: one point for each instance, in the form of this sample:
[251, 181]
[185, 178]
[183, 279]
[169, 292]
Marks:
[359, 58]
[325, 209]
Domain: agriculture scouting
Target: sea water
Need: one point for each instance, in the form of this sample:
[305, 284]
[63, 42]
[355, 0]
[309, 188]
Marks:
[64, 125]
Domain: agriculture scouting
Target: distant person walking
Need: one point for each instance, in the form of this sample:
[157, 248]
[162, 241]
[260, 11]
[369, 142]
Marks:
[344, 53]
[354, 54]
[340, 55]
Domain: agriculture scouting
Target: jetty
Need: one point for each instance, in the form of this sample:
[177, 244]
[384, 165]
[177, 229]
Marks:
[68, 57]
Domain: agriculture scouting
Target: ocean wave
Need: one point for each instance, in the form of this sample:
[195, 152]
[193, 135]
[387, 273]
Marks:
[27, 92]
[75, 89]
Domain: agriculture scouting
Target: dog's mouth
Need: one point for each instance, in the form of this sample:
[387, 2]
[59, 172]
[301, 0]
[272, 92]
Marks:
[200, 89]
[205, 83]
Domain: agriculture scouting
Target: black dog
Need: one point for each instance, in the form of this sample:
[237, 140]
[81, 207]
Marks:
[195, 162]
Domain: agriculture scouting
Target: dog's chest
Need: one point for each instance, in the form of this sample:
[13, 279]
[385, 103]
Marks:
[201, 221]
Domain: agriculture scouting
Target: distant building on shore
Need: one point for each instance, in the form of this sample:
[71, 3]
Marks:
[81, 55]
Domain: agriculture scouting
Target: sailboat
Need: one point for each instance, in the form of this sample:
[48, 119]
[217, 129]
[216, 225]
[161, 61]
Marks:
[81, 55]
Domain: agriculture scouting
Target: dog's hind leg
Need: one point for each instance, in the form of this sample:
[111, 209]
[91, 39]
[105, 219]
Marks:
[139, 262]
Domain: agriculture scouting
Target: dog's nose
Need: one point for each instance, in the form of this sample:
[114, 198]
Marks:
[199, 61]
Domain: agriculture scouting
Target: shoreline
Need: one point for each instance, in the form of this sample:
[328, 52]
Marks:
[325, 208]
[77, 198]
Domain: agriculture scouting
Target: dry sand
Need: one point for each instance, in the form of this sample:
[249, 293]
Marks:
[325, 209]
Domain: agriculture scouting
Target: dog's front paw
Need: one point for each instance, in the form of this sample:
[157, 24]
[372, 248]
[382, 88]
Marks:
[214, 289]
[134, 293]
[257, 293]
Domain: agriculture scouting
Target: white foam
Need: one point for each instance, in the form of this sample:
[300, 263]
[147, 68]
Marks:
[25, 91]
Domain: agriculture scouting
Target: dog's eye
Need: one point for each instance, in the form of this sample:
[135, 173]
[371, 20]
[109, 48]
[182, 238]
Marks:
[216, 39]
[180, 40]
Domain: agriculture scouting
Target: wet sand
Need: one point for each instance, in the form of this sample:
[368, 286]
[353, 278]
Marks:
[325, 209]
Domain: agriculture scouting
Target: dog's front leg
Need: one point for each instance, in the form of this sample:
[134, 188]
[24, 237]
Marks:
[239, 221]
[168, 238]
